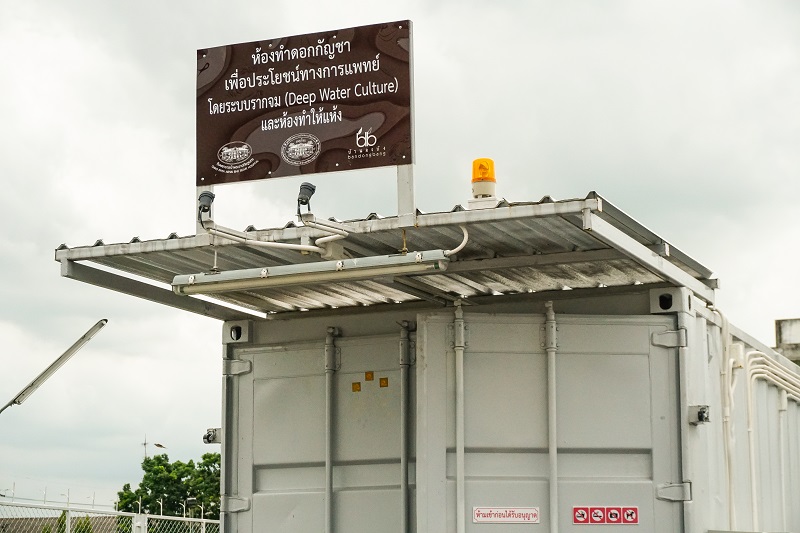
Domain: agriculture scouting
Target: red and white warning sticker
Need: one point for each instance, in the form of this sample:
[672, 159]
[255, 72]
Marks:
[605, 514]
[580, 515]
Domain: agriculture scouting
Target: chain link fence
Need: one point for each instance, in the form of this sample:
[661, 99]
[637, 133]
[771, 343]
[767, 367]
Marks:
[35, 518]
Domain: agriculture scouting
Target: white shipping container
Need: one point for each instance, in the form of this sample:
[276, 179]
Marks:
[628, 390]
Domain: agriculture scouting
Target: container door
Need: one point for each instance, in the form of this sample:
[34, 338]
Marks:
[617, 424]
[277, 414]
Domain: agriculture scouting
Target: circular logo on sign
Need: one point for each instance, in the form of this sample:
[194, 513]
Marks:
[300, 149]
[234, 152]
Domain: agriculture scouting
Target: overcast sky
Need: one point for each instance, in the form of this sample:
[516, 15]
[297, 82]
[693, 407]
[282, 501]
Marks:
[685, 115]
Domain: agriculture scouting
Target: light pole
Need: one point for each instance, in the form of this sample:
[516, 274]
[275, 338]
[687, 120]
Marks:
[140, 506]
[184, 508]
[161, 506]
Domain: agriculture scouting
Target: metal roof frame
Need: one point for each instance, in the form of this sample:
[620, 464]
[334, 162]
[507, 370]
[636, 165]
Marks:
[512, 249]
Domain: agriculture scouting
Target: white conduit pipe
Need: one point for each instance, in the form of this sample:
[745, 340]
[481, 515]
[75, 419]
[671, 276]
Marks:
[330, 368]
[759, 366]
[685, 322]
[551, 345]
[726, 376]
[461, 246]
[459, 345]
[337, 232]
[782, 432]
[405, 364]
[244, 239]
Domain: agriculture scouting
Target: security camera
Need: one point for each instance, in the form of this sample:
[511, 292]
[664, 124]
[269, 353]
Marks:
[205, 200]
[306, 192]
[304, 196]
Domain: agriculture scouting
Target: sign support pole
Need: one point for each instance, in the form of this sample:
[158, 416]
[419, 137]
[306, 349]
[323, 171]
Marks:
[406, 206]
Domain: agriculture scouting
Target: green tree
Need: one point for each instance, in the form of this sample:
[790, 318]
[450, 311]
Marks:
[61, 523]
[175, 484]
[82, 525]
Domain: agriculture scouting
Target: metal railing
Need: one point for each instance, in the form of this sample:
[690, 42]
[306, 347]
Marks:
[36, 518]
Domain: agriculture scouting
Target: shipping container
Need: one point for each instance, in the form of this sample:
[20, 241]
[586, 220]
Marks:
[542, 366]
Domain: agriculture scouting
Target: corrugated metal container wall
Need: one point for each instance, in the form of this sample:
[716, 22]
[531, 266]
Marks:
[642, 432]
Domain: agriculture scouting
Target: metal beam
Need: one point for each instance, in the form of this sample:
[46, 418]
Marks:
[115, 282]
[640, 253]
[499, 263]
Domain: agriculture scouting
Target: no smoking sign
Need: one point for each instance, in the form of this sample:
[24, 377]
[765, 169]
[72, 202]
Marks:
[593, 515]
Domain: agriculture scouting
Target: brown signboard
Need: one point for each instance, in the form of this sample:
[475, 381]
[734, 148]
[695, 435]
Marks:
[322, 102]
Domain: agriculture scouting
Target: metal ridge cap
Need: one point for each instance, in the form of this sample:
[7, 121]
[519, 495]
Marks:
[446, 218]
[511, 211]
[79, 253]
[291, 232]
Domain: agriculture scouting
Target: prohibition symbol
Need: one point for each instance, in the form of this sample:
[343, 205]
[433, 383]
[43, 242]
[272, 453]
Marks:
[580, 515]
[630, 515]
[597, 515]
[613, 515]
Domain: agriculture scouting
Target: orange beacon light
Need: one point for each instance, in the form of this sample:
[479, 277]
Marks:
[483, 181]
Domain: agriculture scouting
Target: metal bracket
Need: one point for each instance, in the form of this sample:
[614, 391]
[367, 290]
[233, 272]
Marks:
[670, 339]
[543, 337]
[213, 436]
[451, 335]
[674, 492]
[236, 367]
[334, 363]
[699, 414]
[233, 504]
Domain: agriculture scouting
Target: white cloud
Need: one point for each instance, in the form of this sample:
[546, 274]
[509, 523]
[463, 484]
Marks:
[682, 114]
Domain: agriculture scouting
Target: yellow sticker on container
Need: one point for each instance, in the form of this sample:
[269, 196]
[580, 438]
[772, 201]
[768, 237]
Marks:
[356, 386]
[384, 382]
[369, 376]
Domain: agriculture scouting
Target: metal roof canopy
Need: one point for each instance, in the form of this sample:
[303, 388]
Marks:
[512, 249]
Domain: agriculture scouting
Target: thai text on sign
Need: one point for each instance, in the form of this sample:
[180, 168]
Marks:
[322, 102]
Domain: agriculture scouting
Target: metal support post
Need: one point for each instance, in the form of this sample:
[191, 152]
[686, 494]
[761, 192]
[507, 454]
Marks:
[330, 368]
[551, 346]
[459, 345]
[405, 363]
[406, 205]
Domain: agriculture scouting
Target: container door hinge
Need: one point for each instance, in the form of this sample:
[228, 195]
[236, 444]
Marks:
[670, 339]
[234, 504]
[674, 492]
[235, 367]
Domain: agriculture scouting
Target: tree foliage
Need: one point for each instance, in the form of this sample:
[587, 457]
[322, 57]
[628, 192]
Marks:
[175, 484]
[81, 524]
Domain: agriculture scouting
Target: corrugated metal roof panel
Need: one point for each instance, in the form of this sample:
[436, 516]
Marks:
[512, 248]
